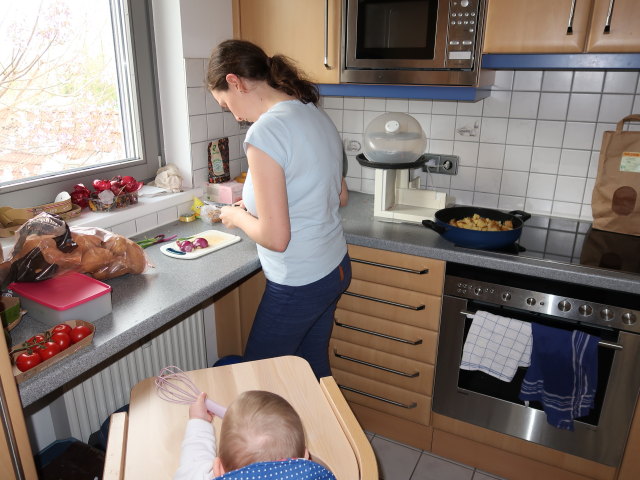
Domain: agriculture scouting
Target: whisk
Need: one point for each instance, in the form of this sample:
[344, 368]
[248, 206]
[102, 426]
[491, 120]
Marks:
[173, 385]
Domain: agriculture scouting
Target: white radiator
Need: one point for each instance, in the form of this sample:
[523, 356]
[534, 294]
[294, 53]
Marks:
[91, 402]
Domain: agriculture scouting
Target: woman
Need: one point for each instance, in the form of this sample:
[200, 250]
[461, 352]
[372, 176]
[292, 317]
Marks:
[292, 194]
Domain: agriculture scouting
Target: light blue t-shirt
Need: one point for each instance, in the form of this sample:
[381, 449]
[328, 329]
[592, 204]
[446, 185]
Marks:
[305, 143]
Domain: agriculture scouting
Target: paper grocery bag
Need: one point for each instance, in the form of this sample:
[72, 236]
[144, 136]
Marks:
[615, 202]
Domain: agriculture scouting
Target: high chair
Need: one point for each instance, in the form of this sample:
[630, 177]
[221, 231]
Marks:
[145, 443]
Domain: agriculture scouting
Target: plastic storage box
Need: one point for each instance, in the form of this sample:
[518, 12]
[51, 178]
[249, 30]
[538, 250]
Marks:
[71, 296]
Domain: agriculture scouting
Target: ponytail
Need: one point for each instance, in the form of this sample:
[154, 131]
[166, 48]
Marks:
[247, 60]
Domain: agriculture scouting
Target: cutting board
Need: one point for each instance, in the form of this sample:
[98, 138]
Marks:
[216, 239]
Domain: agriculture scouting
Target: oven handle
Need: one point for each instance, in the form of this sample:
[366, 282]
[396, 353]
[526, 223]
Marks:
[378, 334]
[601, 343]
[373, 365]
[391, 267]
[382, 399]
[388, 302]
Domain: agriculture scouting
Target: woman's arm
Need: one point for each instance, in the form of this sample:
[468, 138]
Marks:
[272, 227]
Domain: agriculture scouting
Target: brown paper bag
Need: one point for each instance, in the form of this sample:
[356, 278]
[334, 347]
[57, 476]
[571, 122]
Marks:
[615, 202]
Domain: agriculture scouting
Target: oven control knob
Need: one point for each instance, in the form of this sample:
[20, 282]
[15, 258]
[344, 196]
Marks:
[585, 310]
[506, 296]
[564, 306]
[477, 290]
[531, 301]
[606, 314]
[628, 318]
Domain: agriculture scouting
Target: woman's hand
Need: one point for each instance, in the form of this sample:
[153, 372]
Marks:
[199, 410]
[230, 216]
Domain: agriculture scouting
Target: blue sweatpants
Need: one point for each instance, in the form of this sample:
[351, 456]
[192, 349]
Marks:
[298, 320]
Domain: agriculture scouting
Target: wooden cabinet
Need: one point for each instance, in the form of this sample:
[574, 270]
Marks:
[16, 459]
[297, 29]
[384, 341]
[562, 26]
[630, 467]
[235, 310]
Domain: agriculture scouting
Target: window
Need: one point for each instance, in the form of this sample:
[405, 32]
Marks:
[77, 95]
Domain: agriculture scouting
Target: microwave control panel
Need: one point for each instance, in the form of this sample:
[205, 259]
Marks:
[462, 32]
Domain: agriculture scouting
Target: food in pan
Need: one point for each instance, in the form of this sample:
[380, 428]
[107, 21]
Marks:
[476, 222]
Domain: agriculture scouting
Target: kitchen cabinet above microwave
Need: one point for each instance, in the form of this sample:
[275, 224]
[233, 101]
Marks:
[562, 26]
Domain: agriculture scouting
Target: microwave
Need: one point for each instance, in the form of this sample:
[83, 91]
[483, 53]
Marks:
[414, 42]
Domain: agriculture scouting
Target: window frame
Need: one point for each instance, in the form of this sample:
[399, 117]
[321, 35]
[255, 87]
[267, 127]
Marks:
[39, 191]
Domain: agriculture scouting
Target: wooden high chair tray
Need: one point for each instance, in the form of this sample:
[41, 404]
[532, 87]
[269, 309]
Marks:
[156, 427]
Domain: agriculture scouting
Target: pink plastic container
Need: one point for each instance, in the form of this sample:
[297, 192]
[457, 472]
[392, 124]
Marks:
[71, 296]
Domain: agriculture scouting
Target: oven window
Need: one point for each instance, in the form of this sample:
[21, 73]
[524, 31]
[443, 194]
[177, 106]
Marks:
[400, 30]
[484, 384]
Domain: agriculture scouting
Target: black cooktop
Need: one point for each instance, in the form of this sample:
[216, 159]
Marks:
[576, 242]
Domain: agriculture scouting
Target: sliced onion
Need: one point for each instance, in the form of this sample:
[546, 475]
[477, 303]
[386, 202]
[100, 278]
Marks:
[185, 246]
[200, 242]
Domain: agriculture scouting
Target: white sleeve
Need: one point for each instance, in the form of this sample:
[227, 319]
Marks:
[198, 451]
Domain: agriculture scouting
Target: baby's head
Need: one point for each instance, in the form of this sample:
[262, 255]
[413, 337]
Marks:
[259, 426]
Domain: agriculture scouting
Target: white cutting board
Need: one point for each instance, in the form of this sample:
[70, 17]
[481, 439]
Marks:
[216, 239]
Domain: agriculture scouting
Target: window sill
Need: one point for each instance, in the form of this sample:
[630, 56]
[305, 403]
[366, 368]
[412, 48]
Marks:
[148, 213]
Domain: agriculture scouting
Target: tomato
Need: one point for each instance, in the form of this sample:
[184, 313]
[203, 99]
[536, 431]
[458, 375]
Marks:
[48, 350]
[79, 332]
[27, 360]
[62, 339]
[36, 339]
[62, 327]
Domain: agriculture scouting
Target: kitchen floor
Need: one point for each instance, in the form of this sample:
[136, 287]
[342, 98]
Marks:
[401, 462]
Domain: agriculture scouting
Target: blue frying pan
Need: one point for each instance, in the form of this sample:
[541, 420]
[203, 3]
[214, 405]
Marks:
[464, 237]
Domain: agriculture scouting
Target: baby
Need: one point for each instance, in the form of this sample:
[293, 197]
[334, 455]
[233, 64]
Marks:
[261, 434]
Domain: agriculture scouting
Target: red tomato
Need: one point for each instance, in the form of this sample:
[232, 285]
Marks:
[79, 332]
[35, 340]
[62, 327]
[48, 350]
[62, 339]
[27, 360]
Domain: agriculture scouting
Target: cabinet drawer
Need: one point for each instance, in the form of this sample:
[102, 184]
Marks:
[385, 398]
[382, 367]
[403, 306]
[383, 335]
[397, 269]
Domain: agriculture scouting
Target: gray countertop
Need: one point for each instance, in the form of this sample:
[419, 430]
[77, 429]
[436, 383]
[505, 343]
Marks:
[144, 303]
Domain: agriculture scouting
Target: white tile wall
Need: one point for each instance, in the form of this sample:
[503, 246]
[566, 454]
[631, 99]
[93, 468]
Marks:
[537, 141]
[533, 144]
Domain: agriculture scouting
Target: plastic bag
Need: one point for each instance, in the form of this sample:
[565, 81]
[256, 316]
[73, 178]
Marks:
[210, 214]
[46, 247]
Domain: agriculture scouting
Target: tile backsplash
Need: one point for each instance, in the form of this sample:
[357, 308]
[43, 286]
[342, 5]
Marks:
[532, 145]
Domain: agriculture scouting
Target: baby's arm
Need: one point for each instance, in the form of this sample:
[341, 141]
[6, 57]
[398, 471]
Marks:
[199, 444]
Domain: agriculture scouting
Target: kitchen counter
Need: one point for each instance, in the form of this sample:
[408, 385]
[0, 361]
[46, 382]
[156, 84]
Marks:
[144, 303]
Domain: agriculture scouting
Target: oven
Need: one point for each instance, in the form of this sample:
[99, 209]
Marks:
[435, 42]
[480, 399]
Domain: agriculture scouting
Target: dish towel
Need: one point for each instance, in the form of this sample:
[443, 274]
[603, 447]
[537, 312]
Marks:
[563, 374]
[497, 345]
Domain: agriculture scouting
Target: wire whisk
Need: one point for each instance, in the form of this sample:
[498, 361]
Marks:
[175, 386]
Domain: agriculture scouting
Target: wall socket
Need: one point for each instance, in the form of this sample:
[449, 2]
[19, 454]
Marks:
[444, 164]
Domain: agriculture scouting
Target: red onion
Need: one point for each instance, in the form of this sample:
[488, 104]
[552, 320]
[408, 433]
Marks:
[200, 242]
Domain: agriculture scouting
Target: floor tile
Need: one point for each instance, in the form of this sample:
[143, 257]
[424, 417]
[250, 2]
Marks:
[432, 467]
[395, 461]
[479, 475]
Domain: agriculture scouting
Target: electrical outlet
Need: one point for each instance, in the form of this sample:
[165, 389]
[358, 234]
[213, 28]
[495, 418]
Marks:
[444, 164]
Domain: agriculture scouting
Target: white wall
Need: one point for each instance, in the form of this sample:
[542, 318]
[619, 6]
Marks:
[205, 23]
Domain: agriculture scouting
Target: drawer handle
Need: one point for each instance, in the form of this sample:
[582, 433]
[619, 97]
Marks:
[379, 367]
[391, 267]
[388, 302]
[378, 334]
[382, 399]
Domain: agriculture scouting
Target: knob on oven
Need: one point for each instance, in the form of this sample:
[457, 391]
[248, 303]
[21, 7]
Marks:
[585, 310]
[628, 318]
[530, 301]
[606, 314]
[564, 306]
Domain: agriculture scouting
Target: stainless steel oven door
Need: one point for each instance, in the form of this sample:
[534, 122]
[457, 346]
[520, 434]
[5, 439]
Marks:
[602, 442]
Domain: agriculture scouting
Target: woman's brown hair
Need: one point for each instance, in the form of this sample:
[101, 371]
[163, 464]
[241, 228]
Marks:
[247, 60]
[260, 426]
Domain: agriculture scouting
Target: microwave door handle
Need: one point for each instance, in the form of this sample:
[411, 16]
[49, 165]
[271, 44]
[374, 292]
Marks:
[607, 23]
[572, 11]
[326, 35]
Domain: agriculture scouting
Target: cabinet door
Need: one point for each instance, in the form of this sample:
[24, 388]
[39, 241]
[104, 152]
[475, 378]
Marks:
[297, 29]
[540, 26]
[615, 30]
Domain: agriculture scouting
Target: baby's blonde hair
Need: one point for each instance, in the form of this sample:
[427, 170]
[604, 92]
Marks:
[259, 426]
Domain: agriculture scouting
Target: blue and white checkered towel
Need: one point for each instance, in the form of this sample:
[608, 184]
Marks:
[497, 345]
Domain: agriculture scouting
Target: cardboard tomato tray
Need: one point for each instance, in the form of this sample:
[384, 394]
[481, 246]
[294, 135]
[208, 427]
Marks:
[70, 350]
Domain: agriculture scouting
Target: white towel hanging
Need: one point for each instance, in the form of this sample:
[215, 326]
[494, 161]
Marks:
[497, 345]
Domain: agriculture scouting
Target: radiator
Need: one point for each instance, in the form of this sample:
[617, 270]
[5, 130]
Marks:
[90, 403]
